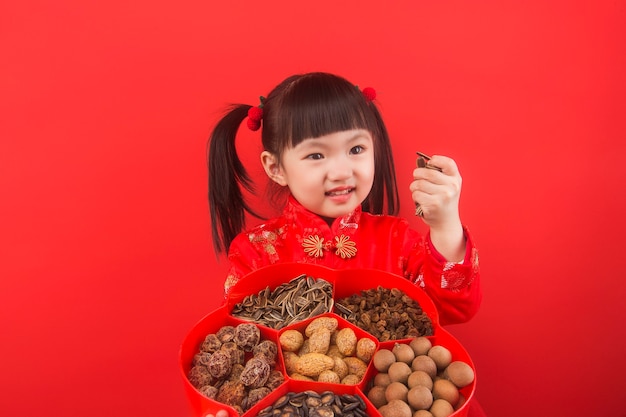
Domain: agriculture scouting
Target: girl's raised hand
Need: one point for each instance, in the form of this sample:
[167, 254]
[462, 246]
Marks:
[437, 191]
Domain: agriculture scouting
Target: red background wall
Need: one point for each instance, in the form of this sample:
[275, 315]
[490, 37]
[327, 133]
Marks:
[106, 259]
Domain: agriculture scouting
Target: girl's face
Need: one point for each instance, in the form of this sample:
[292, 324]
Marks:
[330, 175]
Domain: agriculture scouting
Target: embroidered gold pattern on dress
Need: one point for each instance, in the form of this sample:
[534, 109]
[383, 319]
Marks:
[267, 239]
[345, 247]
[314, 246]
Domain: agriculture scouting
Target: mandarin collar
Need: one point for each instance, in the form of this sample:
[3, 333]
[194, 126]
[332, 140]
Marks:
[304, 217]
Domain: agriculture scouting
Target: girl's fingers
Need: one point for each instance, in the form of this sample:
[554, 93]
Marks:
[220, 413]
[447, 165]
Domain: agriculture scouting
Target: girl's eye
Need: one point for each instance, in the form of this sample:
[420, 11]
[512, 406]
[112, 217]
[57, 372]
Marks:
[357, 149]
[315, 156]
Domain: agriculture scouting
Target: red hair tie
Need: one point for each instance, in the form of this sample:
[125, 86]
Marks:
[255, 115]
[369, 93]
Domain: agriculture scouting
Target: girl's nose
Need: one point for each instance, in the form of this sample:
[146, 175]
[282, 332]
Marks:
[339, 169]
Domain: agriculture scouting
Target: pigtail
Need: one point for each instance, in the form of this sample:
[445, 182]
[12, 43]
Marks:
[227, 176]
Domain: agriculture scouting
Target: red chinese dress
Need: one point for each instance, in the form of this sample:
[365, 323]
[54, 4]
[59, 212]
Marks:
[362, 240]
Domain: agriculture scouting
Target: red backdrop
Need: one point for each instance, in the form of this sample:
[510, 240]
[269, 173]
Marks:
[106, 258]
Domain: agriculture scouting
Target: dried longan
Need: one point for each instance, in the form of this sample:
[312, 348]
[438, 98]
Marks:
[403, 352]
[399, 372]
[396, 391]
[441, 355]
[377, 396]
[441, 408]
[425, 363]
[396, 408]
[420, 345]
[460, 373]
[442, 388]
[420, 378]
[420, 397]
[382, 379]
[383, 359]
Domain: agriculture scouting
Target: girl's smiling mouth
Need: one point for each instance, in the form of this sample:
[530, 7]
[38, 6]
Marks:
[339, 191]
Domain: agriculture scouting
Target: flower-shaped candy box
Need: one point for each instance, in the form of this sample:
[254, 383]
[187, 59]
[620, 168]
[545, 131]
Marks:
[276, 306]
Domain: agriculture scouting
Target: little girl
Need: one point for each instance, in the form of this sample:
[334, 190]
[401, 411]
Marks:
[327, 151]
[326, 147]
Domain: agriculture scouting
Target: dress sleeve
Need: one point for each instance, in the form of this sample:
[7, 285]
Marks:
[453, 287]
[243, 258]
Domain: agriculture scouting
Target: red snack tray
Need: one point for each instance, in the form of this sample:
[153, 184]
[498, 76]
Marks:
[344, 283]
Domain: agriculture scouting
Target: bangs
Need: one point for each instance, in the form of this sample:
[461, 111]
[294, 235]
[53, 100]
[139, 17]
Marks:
[320, 104]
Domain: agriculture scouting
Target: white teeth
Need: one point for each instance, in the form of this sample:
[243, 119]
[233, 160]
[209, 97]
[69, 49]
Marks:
[347, 191]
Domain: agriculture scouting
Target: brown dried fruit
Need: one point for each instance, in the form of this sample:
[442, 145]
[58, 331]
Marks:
[226, 334]
[387, 314]
[235, 372]
[350, 380]
[328, 323]
[237, 355]
[365, 349]
[210, 344]
[355, 366]
[231, 393]
[340, 367]
[346, 341]
[209, 391]
[247, 336]
[319, 341]
[267, 350]
[275, 379]
[255, 395]
[312, 364]
[220, 364]
[199, 376]
[291, 340]
[255, 373]
[329, 376]
[290, 359]
[201, 358]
